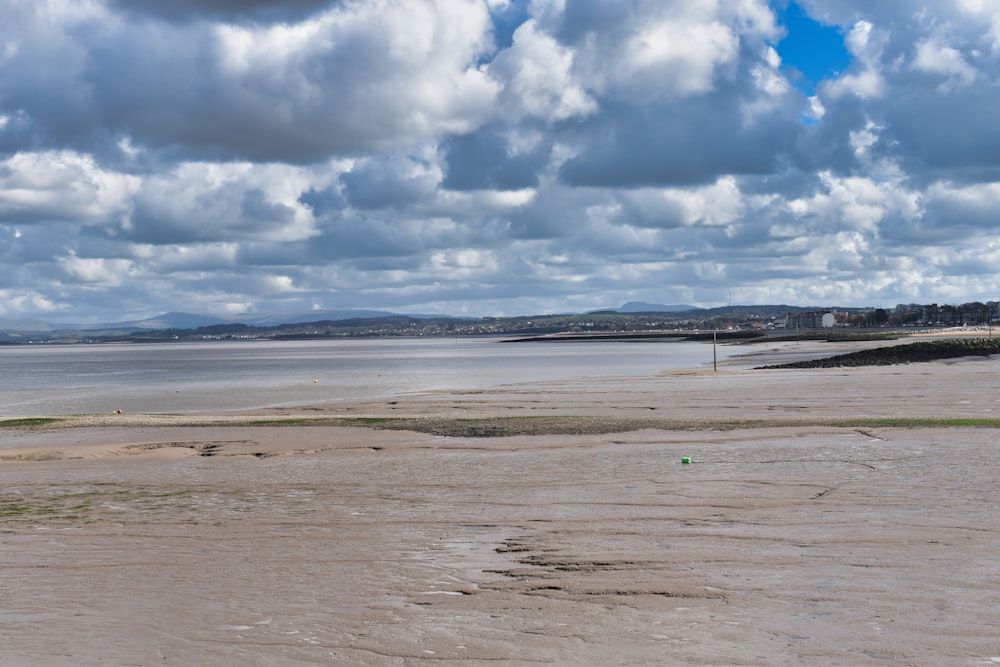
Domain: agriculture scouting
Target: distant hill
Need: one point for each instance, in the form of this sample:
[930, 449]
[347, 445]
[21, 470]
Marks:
[164, 321]
[175, 320]
[24, 325]
[327, 315]
[643, 307]
[13, 329]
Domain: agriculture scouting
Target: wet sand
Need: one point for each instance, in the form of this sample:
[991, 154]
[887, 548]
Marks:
[789, 542]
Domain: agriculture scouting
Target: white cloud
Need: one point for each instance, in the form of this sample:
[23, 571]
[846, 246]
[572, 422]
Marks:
[355, 77]
[994, 34]
[669, 50]
[718, 204]
[62, 185]
[26, 302]
[95, 270]
[864, 138]
[974, 205]
[200, 201]
[772, 85]
[677, 56]
[816, 109]
[860, 203]
[485, 201]
[184, 258]
[865, 79]
[277, 284]
[461, 264]
[538, 79]
[944, 60]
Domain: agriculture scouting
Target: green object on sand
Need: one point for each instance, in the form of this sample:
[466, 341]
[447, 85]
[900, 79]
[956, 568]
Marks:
[686, 459]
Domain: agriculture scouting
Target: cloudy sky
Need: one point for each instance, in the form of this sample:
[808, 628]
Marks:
[491, 157]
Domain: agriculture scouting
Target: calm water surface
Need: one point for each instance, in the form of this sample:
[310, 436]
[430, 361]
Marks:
[235, 375]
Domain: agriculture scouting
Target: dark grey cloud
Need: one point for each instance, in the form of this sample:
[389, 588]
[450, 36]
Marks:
[483, 160]
[354, 237]
[581, 20]
[192, 109]
[21, 248]
[688, 143]
[226, 10]
[270, 254]
[945, 133]
[324, 202]
[545, 217]
[332, 82]
[388, 184]
[256, 207]
[233, 211]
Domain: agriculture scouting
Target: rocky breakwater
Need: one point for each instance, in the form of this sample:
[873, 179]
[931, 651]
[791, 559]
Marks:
[930, 350]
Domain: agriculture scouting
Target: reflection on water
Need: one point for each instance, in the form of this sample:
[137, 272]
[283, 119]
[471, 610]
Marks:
[234, 375]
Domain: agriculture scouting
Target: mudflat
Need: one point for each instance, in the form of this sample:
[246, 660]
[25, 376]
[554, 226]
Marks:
[550, 523]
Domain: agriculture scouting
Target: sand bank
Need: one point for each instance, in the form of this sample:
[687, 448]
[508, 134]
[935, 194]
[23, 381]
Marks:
[787, 541]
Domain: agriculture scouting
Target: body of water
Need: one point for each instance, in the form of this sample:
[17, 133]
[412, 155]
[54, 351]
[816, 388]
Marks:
[239, 375]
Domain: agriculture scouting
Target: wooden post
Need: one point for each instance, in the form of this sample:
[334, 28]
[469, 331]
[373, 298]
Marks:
[715, 364]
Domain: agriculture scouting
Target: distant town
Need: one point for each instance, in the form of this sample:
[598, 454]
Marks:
[731, 321]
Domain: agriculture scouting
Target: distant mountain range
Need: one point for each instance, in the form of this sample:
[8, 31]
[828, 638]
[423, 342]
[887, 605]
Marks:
[176, 320]
[193, 321]
[643, 307]
[18, 328]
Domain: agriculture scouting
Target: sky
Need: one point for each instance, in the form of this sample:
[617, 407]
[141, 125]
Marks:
[494, 157]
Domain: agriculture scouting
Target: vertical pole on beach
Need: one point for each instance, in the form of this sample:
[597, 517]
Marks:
[715, 365]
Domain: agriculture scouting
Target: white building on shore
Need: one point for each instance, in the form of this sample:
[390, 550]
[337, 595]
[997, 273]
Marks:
[816, 319]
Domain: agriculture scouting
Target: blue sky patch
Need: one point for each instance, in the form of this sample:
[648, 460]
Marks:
[508, 20]
[810, 51]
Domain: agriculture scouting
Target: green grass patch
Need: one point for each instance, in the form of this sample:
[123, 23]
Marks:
[367, 421]
[89, 506]
[28, 422]
[16, 509]
[837, 337]
[919, 422]
[286, 421]
[48, 509]
[497, 427]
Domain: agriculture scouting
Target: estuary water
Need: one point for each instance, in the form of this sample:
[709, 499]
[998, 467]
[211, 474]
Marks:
[239, 375]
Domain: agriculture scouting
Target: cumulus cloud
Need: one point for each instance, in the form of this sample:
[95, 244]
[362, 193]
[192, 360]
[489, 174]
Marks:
[538, 77]
[36, 188]
[944, 60]
[207, 202]
[490, 156]
[865, 78]
[349, 78]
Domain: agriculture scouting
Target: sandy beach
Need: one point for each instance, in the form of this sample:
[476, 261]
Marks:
[555, 524]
